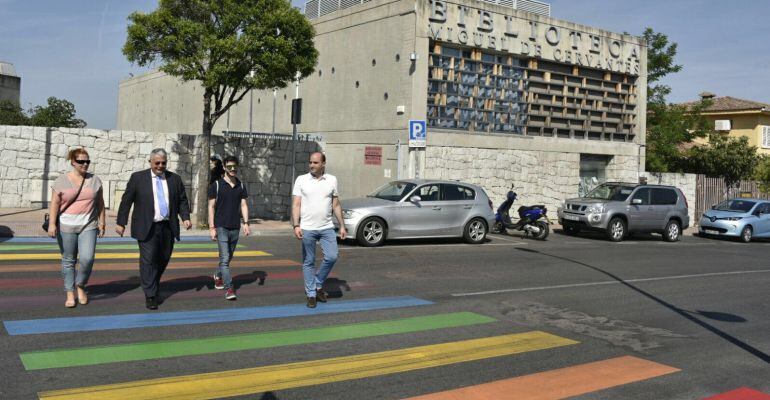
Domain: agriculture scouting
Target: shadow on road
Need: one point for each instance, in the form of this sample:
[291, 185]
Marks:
[689, 315]
[113, 289]
[334, 287]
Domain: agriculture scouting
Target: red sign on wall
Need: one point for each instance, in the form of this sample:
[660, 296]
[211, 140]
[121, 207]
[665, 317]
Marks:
[373, 155]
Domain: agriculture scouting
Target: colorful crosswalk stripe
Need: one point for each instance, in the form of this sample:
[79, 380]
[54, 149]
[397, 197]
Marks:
[127, 246]
[107, 256]
[743, 393]
[560, 383]
[111, 239]
[134, 266]
[285, 376]
[221, 344]
[128, 321]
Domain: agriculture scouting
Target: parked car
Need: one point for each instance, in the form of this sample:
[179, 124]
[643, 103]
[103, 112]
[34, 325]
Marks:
[618, 209]
[743, 219]
[416, 208]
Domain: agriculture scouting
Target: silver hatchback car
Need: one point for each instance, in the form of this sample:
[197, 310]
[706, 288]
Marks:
[417, 208]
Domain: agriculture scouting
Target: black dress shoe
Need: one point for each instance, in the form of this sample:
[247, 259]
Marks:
[320, 295]
[151, 303]
[311, 302]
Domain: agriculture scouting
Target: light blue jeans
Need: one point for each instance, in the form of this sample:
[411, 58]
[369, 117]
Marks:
[227, 239]
[76, 247]
[328, 240]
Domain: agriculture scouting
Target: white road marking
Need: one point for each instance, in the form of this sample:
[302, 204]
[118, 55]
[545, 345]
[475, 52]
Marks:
[419, 246]
[662, 278]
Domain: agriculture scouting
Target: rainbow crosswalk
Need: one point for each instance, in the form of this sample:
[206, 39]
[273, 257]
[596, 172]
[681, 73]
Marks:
[117, 282]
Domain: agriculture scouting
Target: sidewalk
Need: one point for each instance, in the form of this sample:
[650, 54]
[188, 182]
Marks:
[25, 222]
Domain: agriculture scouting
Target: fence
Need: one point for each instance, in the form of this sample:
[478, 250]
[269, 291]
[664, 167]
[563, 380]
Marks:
[710, 191]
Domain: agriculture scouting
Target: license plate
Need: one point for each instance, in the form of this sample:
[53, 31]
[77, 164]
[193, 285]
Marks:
[572, 217]
[711, 232]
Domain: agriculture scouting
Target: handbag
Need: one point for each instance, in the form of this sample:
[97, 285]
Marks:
[47, 219]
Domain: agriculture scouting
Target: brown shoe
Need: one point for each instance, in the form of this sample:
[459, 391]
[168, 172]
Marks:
[320, 295]
[311, 303]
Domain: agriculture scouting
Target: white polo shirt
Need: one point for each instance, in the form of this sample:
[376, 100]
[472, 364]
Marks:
[316, 197]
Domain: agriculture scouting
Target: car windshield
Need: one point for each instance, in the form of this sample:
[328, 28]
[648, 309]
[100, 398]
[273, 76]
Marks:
[609, 191]
[393, 191]
[742, 206]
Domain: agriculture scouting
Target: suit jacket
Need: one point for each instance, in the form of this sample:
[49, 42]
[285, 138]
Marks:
[139, 194]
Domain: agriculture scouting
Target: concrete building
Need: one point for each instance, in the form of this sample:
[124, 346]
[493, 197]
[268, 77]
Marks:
[738, 117]
[10, 83]
[509, 97]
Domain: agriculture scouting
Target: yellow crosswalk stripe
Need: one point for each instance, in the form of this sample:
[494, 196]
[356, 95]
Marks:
[104, 256]
[285, 376]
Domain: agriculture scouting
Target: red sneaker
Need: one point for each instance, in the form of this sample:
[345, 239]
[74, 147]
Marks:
[218, 282]
[230, 295]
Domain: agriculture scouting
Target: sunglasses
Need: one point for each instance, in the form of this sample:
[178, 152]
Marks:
[159, 162]
[231, 167]
[81, 162]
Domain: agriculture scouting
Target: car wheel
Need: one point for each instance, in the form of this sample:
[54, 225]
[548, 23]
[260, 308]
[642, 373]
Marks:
[673, 231]
[746, 234]
[475, 231]
[616, 230]
[371, 232]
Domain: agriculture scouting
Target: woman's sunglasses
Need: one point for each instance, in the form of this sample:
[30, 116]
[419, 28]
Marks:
[81, 162]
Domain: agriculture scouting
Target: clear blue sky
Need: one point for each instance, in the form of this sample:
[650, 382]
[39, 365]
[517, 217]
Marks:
[72, 49]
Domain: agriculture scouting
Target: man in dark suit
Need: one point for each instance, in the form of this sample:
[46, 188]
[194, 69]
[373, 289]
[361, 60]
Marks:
[159, 199]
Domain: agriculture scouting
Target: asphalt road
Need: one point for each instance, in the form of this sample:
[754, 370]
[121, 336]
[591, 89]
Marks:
[694, 313]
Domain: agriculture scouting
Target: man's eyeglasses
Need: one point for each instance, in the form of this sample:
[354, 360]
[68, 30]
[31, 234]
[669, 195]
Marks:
[81, 162]
[159, 162]
[231, 167]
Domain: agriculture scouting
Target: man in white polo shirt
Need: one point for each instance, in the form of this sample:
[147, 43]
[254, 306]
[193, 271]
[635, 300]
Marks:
[315, 198]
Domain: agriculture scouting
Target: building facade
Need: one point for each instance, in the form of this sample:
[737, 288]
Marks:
[738, 117]
[509, 97]
[10, 83]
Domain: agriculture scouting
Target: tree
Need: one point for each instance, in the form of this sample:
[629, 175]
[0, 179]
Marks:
[58, 113]
[670, 126]
[660, 62]
[762, 174]
[228, 46]
[731, 158]
[11, 114]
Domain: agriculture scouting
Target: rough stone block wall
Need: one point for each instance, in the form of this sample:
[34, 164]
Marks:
[538, 177]
[31, 158]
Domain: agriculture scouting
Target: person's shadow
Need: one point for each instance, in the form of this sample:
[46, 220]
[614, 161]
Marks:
[112, 289]
[198, 283]
[247, 279]
[334, 287]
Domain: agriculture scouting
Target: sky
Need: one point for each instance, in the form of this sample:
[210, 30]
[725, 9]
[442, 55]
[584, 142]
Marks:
[72, 49]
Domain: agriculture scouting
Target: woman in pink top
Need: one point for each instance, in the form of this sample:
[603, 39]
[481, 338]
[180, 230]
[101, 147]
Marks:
[75, 228]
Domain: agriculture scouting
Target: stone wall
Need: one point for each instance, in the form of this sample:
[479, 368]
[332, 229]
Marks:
[31, 158]
[538, 177]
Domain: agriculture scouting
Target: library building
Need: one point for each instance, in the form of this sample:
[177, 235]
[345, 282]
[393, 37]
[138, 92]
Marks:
[502, 93]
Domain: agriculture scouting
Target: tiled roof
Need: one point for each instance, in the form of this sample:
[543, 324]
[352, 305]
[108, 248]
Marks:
[727, 103]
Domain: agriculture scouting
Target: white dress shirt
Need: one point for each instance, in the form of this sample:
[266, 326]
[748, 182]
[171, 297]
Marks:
[164, 182]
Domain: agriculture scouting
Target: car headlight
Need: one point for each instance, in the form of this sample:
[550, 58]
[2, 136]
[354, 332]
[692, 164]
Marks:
[595, 209]
[348, 214]
[734, 218]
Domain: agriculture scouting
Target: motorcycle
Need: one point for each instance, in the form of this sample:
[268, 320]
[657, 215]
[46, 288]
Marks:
[532, 219]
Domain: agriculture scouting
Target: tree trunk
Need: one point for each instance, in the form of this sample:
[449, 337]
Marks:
[202, 172]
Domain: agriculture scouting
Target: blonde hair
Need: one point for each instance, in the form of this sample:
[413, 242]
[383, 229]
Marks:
[74, 153]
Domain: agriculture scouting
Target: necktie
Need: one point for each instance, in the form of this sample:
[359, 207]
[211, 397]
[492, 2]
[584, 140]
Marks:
[162, 205]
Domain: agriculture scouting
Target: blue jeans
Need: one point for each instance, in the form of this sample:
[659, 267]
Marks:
[77, 246]
[328, 240]
[227, 239]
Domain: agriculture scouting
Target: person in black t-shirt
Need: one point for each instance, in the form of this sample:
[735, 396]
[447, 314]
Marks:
[227, 205]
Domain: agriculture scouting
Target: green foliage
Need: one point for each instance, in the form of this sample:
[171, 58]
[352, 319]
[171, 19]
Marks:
[733, 159]
[220, 43]
[11, 114]
[762, 174]
[660, 62]
[59, 113]
[668, 127]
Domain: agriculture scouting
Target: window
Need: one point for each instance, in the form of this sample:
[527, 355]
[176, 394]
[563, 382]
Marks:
[766, 137]
[642, 194]
[457, 193]
[428, 193]
[663, 196]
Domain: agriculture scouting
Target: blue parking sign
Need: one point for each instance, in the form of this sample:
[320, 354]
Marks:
[417, 133]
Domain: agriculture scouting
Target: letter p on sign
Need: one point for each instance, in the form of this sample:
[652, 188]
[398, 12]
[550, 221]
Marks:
[417, 133]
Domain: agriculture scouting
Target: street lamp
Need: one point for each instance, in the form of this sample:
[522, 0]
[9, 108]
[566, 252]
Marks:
[251, 100]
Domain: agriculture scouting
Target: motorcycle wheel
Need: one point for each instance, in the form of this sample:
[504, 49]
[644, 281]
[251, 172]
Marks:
[544, 230]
